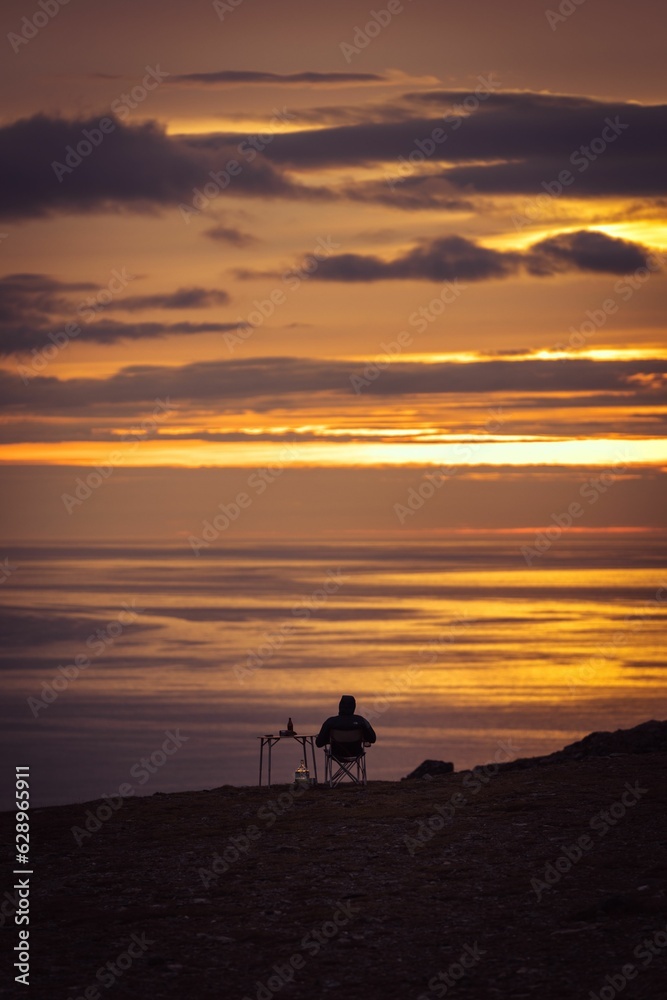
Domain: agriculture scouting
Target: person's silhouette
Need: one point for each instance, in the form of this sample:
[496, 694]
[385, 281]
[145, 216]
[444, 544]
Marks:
[346, 720]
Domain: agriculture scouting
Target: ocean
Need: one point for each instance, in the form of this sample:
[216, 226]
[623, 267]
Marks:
[149, 669]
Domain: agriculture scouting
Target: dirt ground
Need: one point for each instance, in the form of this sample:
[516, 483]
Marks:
[547, 881]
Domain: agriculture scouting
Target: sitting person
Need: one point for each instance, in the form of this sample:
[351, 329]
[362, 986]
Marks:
[348, 721]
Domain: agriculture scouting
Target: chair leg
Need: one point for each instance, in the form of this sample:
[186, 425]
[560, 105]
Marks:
[354, 769]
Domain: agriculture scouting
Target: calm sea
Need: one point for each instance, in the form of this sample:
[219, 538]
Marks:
[455, 650]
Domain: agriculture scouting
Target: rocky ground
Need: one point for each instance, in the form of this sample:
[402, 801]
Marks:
[544, 881]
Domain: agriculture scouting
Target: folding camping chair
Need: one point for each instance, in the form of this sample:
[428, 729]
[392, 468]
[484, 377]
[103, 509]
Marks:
[346, 753]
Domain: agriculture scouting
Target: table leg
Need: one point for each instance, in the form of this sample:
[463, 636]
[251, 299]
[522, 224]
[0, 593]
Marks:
[312, 750]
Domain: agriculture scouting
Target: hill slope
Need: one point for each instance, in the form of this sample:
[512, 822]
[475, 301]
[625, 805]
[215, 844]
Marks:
[534, 882]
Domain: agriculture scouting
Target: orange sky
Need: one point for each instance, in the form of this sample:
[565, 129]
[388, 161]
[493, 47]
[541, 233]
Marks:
[442, 247]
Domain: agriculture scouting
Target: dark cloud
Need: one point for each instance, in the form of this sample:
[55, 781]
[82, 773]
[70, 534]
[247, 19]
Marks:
[441, 260]
[19, 340]
[36, 297]
[586, 251]
[33, 306]
[509, 143]
[182, 298]
[352, 114]
[270, 382]
[236, 77]
[455, 257]
[523, 100]
[412, 194]
[235, 237]
[137, 166]
[578, 415]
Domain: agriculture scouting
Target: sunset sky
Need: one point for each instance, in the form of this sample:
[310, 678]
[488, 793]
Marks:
[249, 238]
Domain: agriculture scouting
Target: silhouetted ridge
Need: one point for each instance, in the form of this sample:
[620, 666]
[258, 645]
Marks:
[647, 737]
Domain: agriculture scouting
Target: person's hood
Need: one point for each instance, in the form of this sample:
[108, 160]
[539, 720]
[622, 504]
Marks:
[347, 705]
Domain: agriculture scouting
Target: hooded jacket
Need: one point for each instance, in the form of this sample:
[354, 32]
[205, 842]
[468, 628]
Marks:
[346, 719]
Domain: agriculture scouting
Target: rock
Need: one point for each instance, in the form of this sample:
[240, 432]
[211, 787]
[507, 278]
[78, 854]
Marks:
[430, 769]
[647, 737]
